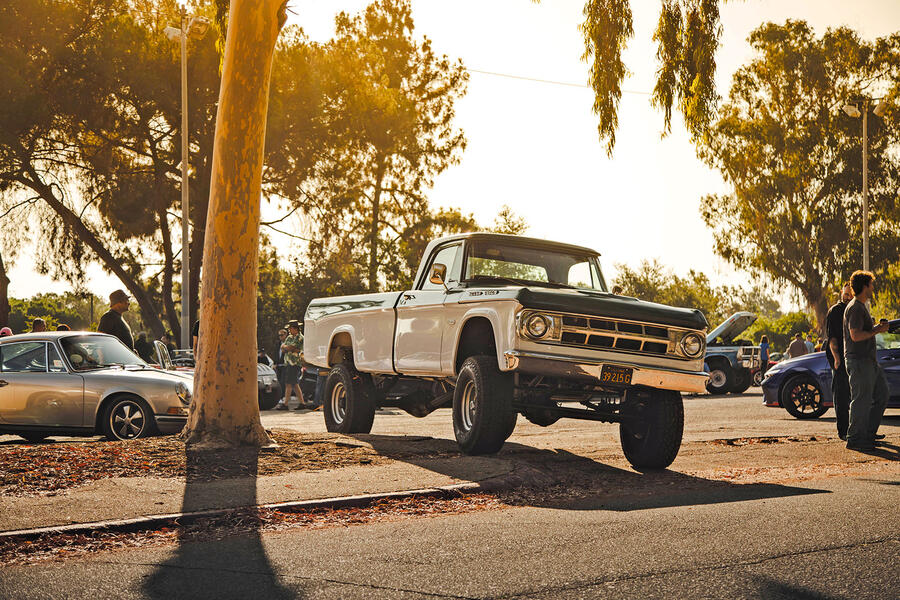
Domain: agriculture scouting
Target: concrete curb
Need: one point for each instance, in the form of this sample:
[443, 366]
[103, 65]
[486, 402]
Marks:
[510, 480]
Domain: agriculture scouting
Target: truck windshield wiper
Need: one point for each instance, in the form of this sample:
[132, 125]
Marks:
[499, 278]
[553, 284]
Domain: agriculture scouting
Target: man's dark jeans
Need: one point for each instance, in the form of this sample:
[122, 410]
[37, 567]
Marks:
[840, 395]
[868, 397]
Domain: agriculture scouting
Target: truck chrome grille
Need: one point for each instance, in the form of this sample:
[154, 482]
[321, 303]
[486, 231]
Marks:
[629, 336]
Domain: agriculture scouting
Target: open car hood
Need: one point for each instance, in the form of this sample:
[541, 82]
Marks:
[732, 327]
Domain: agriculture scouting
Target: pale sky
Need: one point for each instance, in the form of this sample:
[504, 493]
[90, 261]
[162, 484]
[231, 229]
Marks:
[534, 146]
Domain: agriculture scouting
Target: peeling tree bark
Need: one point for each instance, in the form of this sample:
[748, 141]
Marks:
[225, 411]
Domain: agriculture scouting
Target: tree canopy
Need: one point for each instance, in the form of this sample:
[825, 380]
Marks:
[653, 282]
[687, 37]
[793, 160]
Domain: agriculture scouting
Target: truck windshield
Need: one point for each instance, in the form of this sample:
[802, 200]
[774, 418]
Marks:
[533, 265]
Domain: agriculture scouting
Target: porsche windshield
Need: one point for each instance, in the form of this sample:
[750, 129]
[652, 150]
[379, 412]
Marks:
[97, 351]
[492, 261]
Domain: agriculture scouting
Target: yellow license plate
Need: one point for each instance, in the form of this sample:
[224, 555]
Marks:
[613, 374]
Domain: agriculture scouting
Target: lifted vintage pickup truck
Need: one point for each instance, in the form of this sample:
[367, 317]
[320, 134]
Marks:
[498, 325]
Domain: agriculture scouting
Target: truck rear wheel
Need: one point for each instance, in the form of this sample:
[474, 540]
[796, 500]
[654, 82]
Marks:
[349, 401]
[482, 406]
[653, 438]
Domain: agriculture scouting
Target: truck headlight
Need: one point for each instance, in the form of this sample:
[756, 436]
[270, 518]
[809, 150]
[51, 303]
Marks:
[692, 345]
[183, 392]
[537, 325]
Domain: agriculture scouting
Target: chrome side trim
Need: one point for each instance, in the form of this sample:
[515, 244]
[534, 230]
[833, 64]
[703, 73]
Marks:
[588, 370]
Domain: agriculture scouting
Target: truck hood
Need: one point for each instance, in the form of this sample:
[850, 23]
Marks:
[732, 327]
[603, 304]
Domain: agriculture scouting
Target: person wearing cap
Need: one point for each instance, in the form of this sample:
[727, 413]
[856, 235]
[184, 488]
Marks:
[5, 332]
[292, 347]
[112, 322]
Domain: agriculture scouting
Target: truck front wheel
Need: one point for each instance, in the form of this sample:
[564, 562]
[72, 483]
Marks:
[721, 378]
[349, 401]
[482, 406]
[652, 437]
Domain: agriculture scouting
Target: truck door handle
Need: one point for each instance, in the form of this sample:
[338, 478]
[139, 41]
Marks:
[409, 297]
[3, 383]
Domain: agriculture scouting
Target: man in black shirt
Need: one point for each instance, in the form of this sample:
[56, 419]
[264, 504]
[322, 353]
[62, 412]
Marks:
[834, 352]
[112, 322]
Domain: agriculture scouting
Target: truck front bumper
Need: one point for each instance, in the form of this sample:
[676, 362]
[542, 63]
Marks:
[571, 367]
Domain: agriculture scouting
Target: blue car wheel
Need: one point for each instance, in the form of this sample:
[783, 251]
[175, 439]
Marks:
[802, 398]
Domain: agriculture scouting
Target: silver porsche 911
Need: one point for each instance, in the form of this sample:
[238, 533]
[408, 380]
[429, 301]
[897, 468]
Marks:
[80, 383]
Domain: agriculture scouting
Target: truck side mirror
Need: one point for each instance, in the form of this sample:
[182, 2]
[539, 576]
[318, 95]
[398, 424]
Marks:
[439, 275]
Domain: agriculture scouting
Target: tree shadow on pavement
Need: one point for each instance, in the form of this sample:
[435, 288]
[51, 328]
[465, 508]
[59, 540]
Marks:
[561, 479]
[234, 565]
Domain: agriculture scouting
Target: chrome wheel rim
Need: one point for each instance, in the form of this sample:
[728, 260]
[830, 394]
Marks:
[127, 421]
[469, 405]
[805, 397]
[717, 378]
[757, 378]
[338, 404]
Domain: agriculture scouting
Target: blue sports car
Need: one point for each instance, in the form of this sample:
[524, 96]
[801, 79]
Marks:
[802, 385]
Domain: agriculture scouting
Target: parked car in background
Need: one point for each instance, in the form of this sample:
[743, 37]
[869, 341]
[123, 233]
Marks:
[269, 389]
[731, 362]
[802, 385]
[78, 383]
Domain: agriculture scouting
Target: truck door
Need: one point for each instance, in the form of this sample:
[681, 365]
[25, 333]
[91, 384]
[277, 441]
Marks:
[421, 318]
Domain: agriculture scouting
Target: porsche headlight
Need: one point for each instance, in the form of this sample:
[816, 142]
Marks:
[692, 345]
[183, 392]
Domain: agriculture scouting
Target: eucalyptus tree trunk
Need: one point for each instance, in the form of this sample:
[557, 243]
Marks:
[225, 411]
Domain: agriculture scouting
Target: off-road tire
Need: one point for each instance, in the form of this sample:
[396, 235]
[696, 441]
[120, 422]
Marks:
[349, 400]
[125, 407]
[719, 383]
[802, 397]
[653, 441]
[742, 381]
[483, 417]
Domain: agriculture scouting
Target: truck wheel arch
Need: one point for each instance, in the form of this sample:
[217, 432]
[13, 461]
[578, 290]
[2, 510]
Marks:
[476, 336]
[340, 346]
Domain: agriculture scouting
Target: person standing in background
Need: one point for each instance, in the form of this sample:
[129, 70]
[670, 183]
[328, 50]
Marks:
[38, 325]
[797, 347]
[293, 348]
[112, 321]
[279, 357]
[144, 347]
[810, 345]
[763, 355]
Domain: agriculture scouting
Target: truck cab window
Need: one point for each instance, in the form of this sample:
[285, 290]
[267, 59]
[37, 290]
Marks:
[447, 256]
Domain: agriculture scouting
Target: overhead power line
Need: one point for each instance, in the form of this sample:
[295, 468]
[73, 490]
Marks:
[547, 81]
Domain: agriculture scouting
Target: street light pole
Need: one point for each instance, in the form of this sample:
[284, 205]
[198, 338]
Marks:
[865, 189]
[185, 202]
